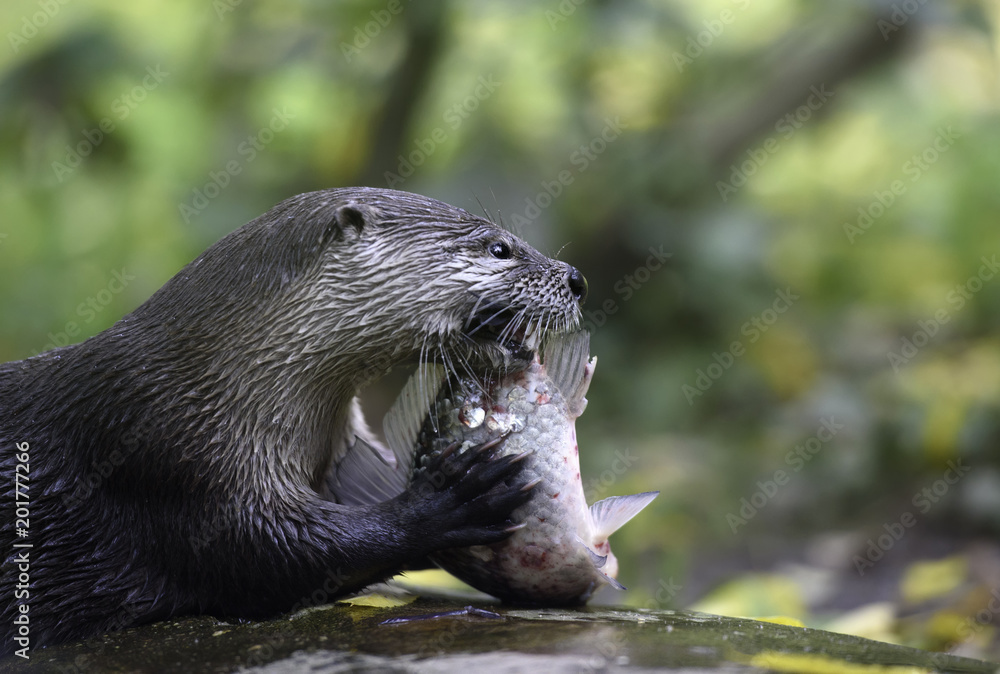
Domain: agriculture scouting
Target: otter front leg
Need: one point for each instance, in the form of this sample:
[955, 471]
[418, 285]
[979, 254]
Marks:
[460, 500]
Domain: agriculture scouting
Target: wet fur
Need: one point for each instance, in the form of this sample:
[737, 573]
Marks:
[181, 460]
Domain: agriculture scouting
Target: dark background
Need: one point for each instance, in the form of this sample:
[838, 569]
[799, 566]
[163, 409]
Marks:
[787, 212]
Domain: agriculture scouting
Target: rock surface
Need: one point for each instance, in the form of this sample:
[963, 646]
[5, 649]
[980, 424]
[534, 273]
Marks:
[342, 638]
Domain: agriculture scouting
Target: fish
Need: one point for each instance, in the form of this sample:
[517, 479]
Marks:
[560, 554]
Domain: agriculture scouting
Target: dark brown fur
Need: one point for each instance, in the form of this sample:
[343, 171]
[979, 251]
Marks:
[181, 461]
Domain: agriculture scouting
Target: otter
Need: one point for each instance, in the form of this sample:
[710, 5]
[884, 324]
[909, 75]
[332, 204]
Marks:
[201, 455]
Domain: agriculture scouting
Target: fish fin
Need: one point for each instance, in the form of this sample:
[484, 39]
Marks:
[610, 514]
[568, 364]
[599, 562]
[610, 581]
[403, 421]
[365, 477]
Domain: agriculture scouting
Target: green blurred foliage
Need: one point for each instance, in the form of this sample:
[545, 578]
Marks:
[822, 118]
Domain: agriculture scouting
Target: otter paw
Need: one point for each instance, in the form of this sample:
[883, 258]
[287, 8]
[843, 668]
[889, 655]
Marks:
[472, 494]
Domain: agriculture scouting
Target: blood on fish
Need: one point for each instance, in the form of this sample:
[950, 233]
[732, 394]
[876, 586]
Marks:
[552, 560]
[534, 557]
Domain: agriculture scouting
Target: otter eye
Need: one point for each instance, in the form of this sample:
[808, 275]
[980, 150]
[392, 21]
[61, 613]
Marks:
[500, 250]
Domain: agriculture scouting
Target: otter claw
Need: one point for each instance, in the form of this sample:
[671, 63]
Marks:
[487, 446]
[515, 527]
[449, 450]
[531, 485]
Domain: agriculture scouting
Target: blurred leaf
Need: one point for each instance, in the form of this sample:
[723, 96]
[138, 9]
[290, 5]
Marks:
[930, 579]
[754, 595]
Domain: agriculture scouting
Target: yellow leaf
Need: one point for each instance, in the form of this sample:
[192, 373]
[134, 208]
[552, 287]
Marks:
[431, 578]
[927, 580]
[821, 664]
[872, 621]
[378, 600]
[781, 620]
[754, 594]
[945, 418]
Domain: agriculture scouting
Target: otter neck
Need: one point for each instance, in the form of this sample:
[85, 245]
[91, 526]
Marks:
[299, 395]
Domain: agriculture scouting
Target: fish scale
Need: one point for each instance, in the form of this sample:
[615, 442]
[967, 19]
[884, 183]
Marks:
[561, 555]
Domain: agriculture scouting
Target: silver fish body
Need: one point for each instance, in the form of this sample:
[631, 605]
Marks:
[562, 554]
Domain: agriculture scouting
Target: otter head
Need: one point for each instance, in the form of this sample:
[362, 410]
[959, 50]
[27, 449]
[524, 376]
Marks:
[411, 278]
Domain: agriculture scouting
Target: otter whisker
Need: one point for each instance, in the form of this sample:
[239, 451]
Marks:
[423, 368]
[486, 214]
[467, 367]
[489, 320]
[512, 327]
[462, 356]
[426, 371]
[475, 310]
[539, 328]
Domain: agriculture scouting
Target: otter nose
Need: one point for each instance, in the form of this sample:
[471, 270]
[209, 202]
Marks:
[577, 284]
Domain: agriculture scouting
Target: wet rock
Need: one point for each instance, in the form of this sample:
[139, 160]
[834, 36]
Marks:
[439, 636]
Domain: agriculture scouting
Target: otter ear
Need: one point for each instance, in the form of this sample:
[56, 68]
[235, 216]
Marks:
[354, 216]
